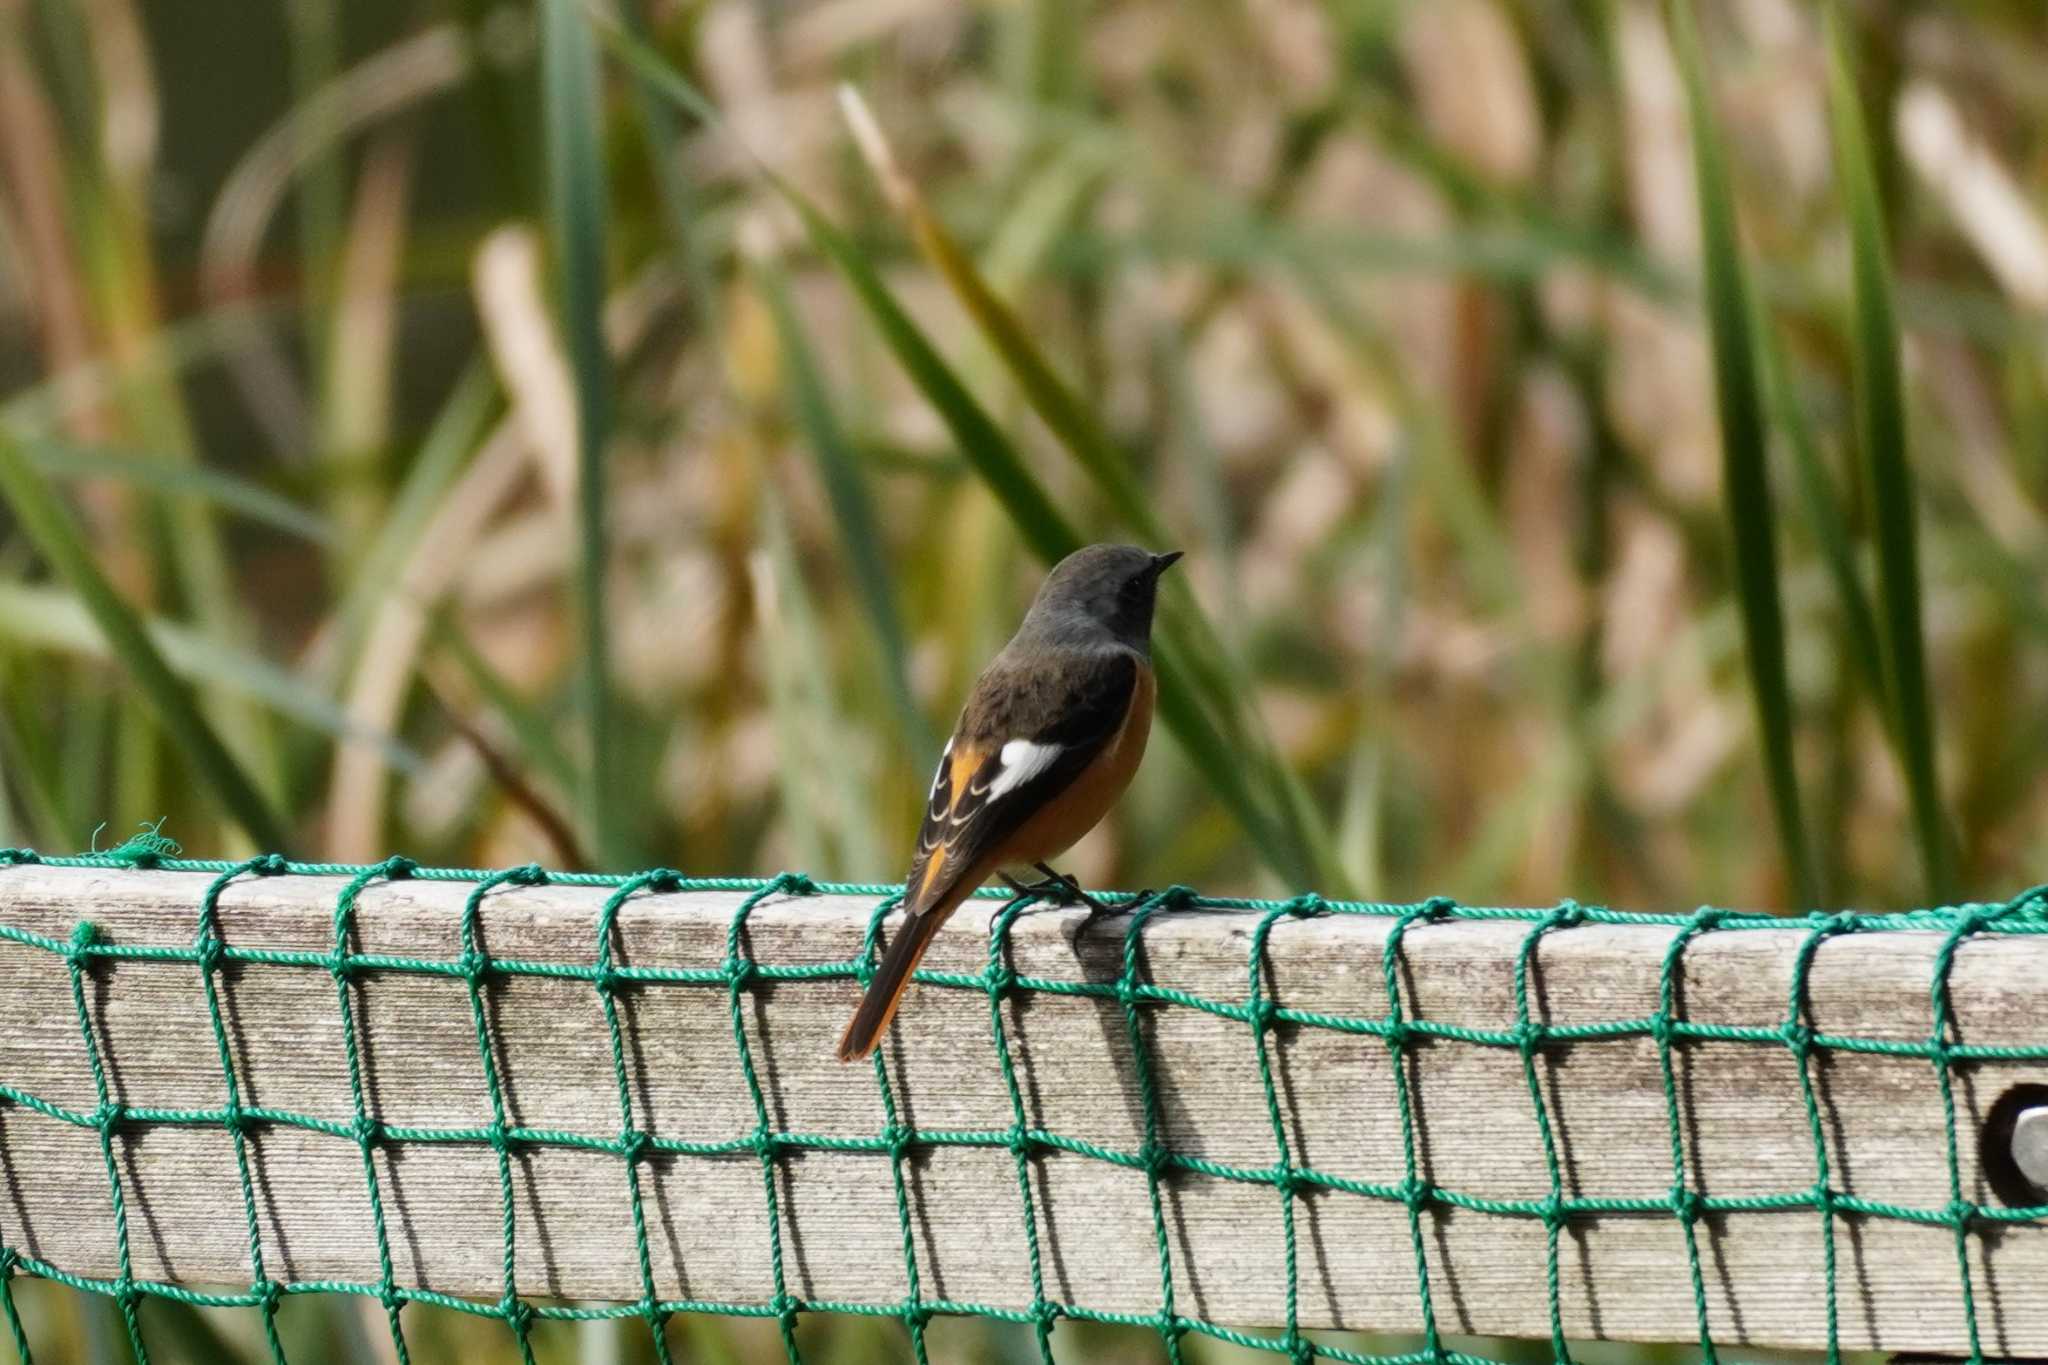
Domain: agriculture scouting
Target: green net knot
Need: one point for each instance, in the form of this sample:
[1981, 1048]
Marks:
[1307, 906]
[1000, 978]
[1262, 1014]
[269, 865]
[784, 1308]
[1553, 1214]
[1154, 1159]
[84, 935]
[1663, 1028]
[1300, 1350]
[765, 1143]
[632, 1145]
[108, 1117]
[1044, 1314]
[1530, 1035]
[269, 1294]
[1175, 897]
[1961, 1214]
[472, 966]
[517, 1313]
[526, 874]
[1020, 1142]
[739, 971]
[19, 857]
[915, 1314]
[793, 884]
[1826, 925]
[1687, 1206]
[1416, 1193]
[1798, 1036]
[1567, 915]
[1290, 1181]
[897, 1138]
[1823, 1198]
[234, 1118]
[209, 951]
[1708, 918]
[367, 1131]
[1435, 908]
[342, 965]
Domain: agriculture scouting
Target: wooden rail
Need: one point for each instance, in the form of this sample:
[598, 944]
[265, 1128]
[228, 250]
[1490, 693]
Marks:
[1744, 1127]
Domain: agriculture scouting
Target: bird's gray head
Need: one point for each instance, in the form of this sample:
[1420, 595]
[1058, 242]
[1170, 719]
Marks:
[1104, 593]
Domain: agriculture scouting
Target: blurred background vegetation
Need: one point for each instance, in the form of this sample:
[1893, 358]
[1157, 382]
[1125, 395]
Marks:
[1573, 506]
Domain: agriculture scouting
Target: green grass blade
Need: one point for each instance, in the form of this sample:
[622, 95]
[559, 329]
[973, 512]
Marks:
[530, 725]
[32, 781]
[1213, 502]
[314, 47]
[853, 512]
[1064, 413]
[679, 204]
[1042, 526]
[168, 477]
[1222, 688]
[1822, 503]
[48, 525]
[1221, 764]
[447, 446]
[1071, 420]
[1276, 834]
[576, 196]
[1051, 537]
[835, 815]
[1745, 482]
[53, 620]
[1888, 476]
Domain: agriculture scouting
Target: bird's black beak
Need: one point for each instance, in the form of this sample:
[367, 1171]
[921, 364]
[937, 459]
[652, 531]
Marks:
[1161, 563]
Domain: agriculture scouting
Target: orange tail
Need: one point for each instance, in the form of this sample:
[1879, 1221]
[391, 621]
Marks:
[899, 960]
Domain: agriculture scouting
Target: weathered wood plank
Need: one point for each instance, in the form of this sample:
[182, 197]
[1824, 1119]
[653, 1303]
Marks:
[1626, 1277]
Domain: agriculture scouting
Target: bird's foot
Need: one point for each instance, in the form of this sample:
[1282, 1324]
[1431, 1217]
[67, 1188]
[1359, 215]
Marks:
[1069, 891]
[1137, 899]
[1056, 888]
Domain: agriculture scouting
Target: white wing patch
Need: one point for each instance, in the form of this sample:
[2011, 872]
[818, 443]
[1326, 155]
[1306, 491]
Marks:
[940, 775]
[1023, 759]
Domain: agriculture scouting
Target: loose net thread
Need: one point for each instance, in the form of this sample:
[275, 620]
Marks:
[1155, 1158]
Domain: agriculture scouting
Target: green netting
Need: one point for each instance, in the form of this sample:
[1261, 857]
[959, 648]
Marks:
[2026, 913]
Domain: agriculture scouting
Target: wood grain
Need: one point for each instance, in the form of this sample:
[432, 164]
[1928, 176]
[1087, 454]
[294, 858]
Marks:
[1623, 1276]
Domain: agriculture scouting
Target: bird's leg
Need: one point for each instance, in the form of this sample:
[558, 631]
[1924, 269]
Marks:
[1018, 888]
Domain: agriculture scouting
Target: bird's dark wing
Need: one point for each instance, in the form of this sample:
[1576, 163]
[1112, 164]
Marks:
[1023, 738]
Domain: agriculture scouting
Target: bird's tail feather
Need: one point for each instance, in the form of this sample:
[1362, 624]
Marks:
[885, 990]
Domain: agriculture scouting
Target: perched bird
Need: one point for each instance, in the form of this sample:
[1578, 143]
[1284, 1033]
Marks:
[1048, 740]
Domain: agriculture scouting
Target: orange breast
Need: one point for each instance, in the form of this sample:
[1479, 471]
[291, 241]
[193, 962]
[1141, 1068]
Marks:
[1061, 824]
